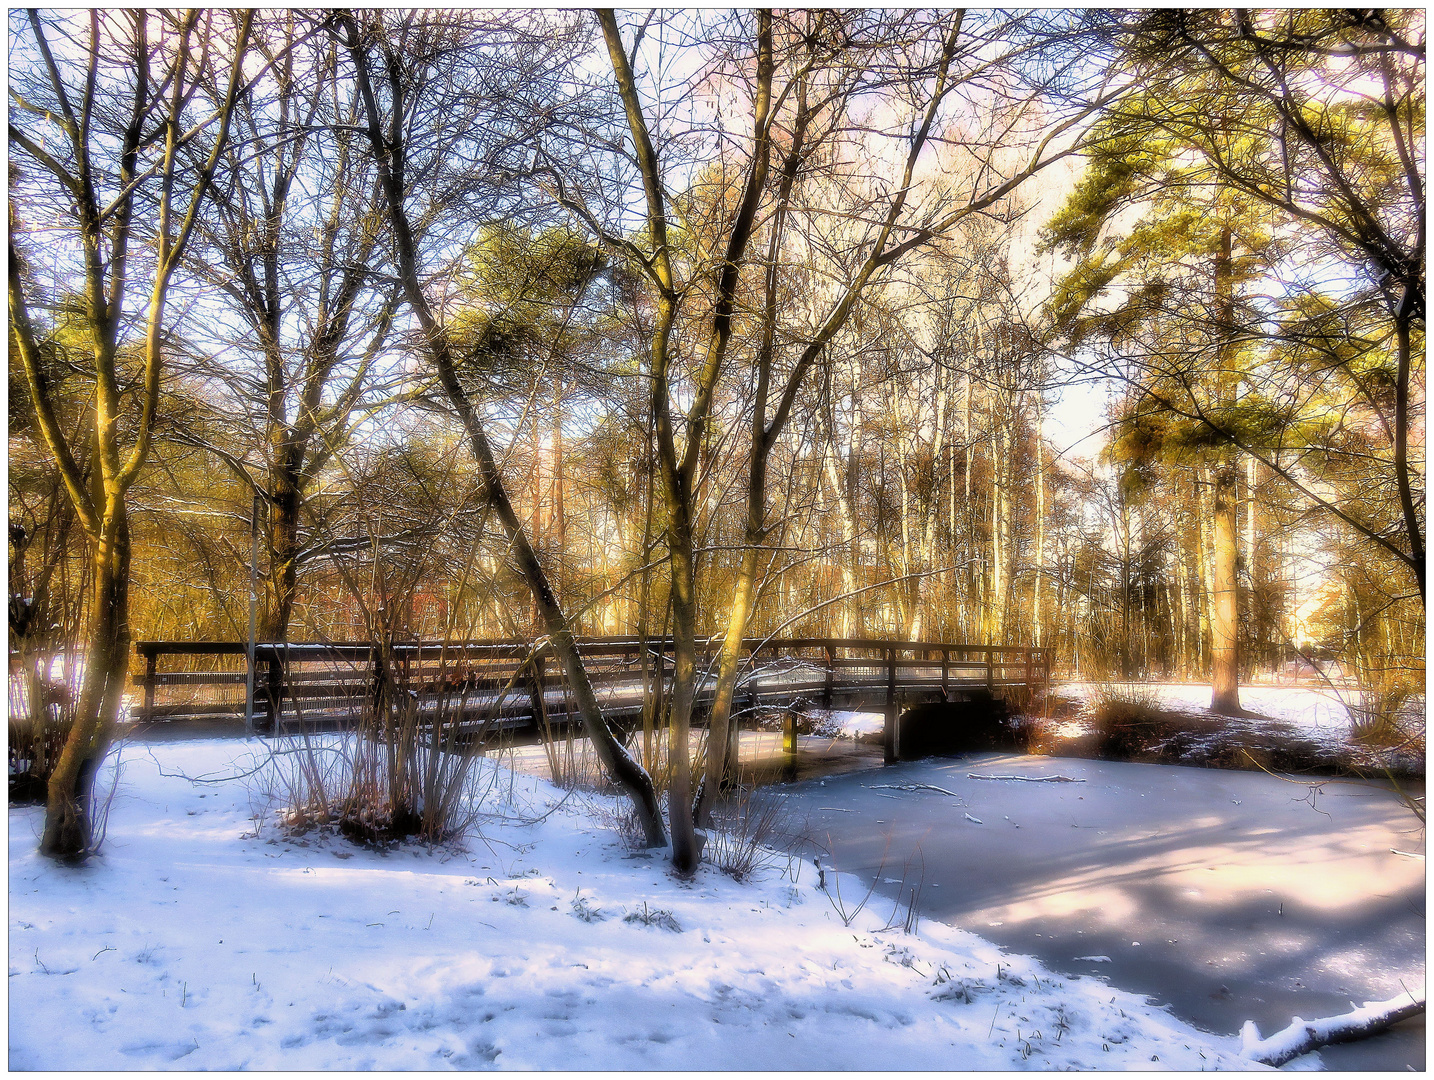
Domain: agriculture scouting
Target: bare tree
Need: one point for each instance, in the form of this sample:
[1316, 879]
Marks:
[902, 219]
[399, 69]
[790, 76]
[116, 114]
[290, 250]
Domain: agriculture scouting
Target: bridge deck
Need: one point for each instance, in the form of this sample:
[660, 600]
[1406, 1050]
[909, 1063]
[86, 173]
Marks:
[505, 686]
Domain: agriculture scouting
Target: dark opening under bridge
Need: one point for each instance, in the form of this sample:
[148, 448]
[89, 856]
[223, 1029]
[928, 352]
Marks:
[510, 689]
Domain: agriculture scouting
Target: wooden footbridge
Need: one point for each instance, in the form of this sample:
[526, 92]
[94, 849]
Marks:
[516, 688]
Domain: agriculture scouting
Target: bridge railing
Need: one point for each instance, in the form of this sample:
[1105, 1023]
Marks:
[519, 679]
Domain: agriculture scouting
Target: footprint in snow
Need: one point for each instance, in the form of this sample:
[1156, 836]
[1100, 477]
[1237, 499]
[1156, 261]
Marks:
[479, 1054]
[168, 1051]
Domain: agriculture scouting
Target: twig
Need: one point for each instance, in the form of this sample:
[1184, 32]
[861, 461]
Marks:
[520, 819]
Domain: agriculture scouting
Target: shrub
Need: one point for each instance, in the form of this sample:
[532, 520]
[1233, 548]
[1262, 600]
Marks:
[1386, 712]
[410, 769]
[621, 818]
[1126, 729]
[43, 689]
[746, 830]
[1109, 694]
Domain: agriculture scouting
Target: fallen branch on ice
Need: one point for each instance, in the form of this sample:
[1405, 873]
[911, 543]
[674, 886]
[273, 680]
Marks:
[1302, 1036]
[1054, 778]
[915, 787]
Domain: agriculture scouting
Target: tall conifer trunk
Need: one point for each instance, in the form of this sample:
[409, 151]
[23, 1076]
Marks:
[1224, 600]
[1224, 594]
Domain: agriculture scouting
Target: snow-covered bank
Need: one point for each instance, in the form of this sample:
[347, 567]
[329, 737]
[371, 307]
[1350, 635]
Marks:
[1316, 712]
[194, 943]
[1308, 729]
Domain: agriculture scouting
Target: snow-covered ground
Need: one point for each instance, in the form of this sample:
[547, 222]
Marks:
[852, 724]
[201, 939]
[1314, 711]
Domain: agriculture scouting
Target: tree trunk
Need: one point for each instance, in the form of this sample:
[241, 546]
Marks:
[68, 820]
[719, 767]
[684, 685]
[1000, 537]
[535, 520]
[284, 502]
[1182, 585]
[559, 510]
[1225, 594]
[105, 239]
[955, 603]
[1403, 320]
[1040, 518]
[651, 680]
[1224, 597]
[1125, 659]
[1252, 485]
[848, 548]
[906, 597]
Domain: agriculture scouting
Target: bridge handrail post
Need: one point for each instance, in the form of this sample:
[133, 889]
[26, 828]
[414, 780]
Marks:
[830, 655]
[990, 670]
[946, 674]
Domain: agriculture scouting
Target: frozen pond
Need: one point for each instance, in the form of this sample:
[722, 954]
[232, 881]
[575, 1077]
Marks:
[1228, 895]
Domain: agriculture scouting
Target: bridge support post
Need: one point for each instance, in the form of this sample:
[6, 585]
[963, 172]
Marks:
[890, 746]
[831, 674]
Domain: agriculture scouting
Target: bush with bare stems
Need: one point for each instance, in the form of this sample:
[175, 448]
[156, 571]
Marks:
[411, 768]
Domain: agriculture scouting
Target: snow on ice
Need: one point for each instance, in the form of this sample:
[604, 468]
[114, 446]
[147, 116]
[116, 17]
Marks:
[203, 939]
